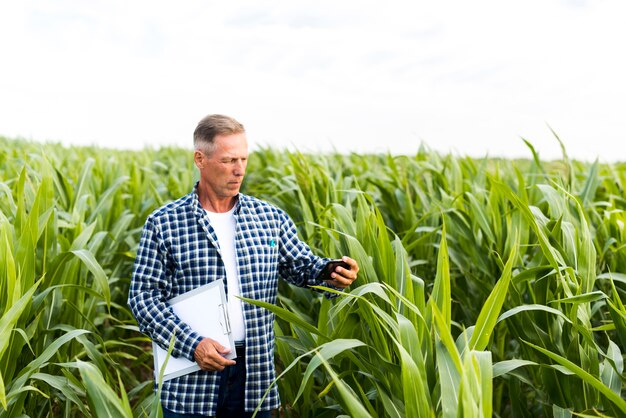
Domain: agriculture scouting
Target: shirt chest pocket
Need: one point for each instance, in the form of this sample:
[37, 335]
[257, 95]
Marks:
[258, 254]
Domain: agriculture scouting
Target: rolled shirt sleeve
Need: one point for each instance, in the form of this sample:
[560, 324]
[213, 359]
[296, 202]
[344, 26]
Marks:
[150, 285]
[298, 264]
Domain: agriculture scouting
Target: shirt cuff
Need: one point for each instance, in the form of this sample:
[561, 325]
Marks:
[316, 273]
[186, 346]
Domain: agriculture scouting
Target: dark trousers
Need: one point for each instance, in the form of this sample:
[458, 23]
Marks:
[231, 398]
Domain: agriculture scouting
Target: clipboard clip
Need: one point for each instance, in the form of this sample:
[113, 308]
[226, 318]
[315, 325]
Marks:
[224, 319]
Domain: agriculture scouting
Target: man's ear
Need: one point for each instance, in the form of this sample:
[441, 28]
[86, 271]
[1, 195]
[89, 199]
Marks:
[198, 159]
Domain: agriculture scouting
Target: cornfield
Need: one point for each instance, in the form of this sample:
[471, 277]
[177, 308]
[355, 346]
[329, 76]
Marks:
[488, 287]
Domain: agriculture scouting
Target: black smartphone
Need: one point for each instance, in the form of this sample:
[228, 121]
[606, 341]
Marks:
[330, 267]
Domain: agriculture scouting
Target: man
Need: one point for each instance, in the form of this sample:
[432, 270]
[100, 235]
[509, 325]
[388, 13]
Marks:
[216, 232]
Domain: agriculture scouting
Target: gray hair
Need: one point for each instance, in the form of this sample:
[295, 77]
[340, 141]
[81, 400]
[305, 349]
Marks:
[211, 126]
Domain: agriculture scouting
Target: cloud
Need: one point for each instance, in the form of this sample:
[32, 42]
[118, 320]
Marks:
[357, 76]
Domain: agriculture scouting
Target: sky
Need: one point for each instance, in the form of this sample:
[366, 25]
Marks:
[470, 78]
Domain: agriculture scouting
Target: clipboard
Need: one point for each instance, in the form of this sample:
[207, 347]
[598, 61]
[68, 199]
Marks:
[205, 310]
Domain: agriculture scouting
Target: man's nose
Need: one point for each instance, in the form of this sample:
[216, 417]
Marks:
[240, 168]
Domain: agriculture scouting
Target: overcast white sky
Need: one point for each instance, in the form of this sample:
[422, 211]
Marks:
[468, 77]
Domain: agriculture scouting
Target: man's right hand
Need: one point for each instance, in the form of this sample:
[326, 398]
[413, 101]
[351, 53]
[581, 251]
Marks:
[209, 355]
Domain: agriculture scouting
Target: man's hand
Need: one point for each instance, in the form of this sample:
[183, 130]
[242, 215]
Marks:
[209, 355]
[342, 277]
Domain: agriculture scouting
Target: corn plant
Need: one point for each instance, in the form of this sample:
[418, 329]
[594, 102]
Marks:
[488, 287]
[556, 349]
[69, 226]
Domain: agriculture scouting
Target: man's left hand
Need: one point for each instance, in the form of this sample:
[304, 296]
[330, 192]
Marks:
[343, 277]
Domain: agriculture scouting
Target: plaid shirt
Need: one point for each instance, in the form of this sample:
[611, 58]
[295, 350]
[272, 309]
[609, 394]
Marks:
[179, 251]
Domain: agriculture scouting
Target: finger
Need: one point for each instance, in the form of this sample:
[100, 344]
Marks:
[338, 272]
[341, 282]
[345, 274]
[217, 358]
[220, 363]
[211, 367]
[223, 350]
[354, 266]
[216, 363]
[220, 348]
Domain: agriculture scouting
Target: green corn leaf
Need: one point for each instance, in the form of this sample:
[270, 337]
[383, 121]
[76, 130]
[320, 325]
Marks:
[284, 314]
[53, 348]
[104, 199]
[10, 318]
[441, 295]
[64, 386]
[561, 412]
[481, 216]
[103, 401]
[19, 384]
[416, 403]
[449, 380]
[13, 285]
[125, 403]
[533, 307]
[612, 368]
[327, 351]
[82, 240]
[443, 332]
[534, 153]
[553, 257]
[583, 298]
[586, 261]
[375, 288]
[409, 340]
[99, 275]
[483, 364]
[618, 277]
[475, 391]
[353, 405]
[83, 182]
[3, 394]
[617, 400]
[490, 311]
[503, 367]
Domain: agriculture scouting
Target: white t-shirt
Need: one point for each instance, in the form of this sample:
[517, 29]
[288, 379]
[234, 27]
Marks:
[224, 226]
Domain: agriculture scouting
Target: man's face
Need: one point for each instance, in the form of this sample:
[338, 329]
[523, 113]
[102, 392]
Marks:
[222, 170]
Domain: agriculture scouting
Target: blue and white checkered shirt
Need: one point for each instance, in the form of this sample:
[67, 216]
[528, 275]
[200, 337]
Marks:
[178, 252]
